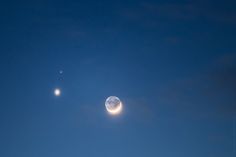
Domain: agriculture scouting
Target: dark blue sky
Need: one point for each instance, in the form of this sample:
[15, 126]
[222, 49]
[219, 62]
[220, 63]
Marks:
[172, 63]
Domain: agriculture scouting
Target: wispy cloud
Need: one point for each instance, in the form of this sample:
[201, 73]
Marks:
[158, 13]
[211, 92]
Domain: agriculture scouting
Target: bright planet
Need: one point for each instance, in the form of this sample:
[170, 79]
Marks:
[57, 92]
[113, 105]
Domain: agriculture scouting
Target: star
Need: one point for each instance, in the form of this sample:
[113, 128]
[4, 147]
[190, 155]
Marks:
[61, 72]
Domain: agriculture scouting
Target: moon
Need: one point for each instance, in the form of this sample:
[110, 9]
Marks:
[113, 105]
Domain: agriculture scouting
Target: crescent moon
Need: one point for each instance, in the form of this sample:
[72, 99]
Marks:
[116, 110]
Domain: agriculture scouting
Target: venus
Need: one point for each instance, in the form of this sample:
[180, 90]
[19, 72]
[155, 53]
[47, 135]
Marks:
[57, 92]
[113, 105]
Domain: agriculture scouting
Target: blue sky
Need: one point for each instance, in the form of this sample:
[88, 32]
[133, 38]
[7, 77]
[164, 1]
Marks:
[172, 64]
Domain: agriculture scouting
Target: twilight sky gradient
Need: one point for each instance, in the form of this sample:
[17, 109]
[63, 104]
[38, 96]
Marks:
[172, 64]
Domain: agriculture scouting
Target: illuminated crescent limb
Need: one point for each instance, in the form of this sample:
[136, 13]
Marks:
[115, 111]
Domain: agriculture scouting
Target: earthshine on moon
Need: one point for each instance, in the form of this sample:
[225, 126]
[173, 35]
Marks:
[113, 105]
